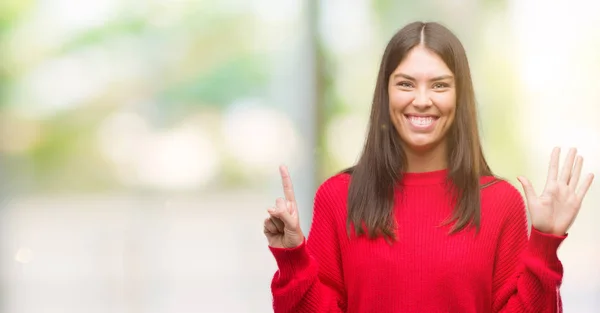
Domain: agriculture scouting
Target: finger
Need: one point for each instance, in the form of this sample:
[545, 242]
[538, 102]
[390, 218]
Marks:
[527, 189]
[553, 167]
[565, 174]
[585, 186]
[288, 206]
[275, 220]
[291, 207]
[277, 223]
[576, 173]
[282, 205]
[283, 214]
[269, 227]
[286, 180]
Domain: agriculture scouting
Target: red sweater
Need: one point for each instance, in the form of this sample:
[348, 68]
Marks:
[426, 270]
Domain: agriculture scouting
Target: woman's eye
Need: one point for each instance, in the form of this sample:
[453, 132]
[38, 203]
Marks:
[404, 84]
[440, 85]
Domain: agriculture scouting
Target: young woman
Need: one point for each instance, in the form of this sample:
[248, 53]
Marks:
[420, 223]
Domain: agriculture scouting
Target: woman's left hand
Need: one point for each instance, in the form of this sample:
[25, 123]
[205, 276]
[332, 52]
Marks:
[555, 209]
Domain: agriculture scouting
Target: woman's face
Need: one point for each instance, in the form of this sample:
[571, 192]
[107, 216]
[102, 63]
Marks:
[422, 98]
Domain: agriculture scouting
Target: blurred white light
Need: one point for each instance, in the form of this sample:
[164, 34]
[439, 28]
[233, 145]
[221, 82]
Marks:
[346, 25]
[259, 137]
[77, 78]
[275, 11]
[558, 92]
[183, 158]
[345, 138]
[70, 16]
[24, 255]
[57, 85]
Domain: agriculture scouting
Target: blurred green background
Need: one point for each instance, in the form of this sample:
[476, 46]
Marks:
[140, 139]
[90, 95]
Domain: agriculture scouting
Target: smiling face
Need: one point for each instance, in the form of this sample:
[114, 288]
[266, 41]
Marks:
[422, 101]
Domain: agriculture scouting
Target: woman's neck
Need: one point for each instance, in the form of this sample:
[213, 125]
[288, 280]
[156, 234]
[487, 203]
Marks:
[427, 161]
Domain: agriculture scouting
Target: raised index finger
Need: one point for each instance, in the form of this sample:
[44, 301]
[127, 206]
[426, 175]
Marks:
[286, 181]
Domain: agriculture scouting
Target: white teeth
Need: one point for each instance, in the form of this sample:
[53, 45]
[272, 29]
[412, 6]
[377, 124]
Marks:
[421, 121]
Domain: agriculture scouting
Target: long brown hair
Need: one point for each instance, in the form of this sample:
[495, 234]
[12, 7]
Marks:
[383, 161]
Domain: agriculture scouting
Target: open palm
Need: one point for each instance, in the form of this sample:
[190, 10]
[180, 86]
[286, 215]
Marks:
[554, 211]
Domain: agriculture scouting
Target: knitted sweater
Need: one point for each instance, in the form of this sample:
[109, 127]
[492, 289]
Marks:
[427, 270]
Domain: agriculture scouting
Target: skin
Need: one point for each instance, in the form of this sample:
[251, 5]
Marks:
[422, 85]
[556, 208]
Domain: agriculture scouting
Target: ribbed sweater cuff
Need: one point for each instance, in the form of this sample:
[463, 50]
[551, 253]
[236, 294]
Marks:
[544, 247]
[291, 261]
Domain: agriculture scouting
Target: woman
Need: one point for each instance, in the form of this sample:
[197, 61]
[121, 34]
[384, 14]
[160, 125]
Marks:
[420, 224]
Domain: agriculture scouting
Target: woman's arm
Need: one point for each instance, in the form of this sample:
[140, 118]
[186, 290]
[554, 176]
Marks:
[310, 278]
[527, 271]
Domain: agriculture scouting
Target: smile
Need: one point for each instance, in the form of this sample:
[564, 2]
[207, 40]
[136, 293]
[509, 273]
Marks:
[421, 121]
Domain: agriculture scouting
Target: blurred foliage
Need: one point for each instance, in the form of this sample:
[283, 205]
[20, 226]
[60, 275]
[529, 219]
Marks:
[393, 15]
[218, 65]
[106, 32]
[11, 11]
[244, 76]
[199, 58]
[67, 155]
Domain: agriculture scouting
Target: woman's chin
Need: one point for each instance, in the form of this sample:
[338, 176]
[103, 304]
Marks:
[421, 145]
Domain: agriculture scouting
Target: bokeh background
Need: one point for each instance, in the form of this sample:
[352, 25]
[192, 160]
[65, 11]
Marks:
[140, 140]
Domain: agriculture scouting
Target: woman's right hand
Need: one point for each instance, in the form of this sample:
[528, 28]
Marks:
[282, 227]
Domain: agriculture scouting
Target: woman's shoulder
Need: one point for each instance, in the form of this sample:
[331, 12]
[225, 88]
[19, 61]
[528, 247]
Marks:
[501, 195]
[498, 187]
[331, 196]
[335, 184]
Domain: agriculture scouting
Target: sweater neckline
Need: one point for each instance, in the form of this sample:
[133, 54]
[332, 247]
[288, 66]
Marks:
[425, 178]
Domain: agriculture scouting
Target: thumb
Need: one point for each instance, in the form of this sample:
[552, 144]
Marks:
[527, 188]
[282, 212]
